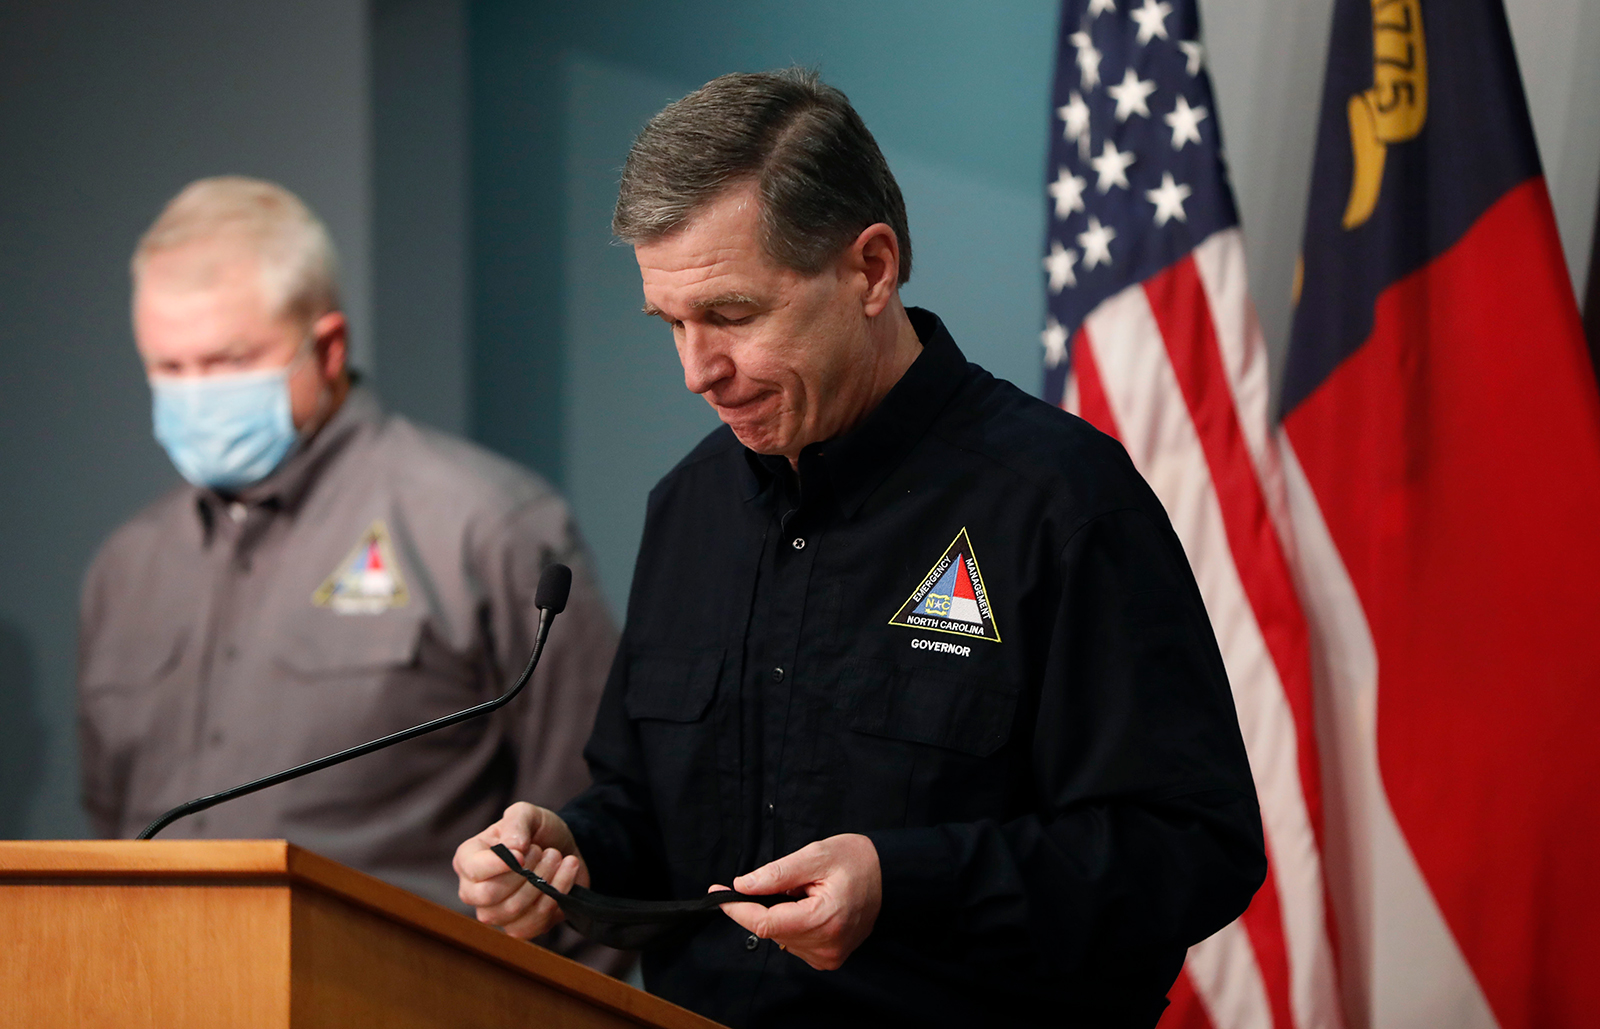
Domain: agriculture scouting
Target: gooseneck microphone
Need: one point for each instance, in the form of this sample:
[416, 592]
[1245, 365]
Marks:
[550, 598]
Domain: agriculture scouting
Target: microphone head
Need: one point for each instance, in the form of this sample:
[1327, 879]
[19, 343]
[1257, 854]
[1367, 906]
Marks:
[554, 585]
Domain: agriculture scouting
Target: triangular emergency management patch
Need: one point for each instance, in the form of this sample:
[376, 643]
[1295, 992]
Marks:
[367, 582]
[951, 597]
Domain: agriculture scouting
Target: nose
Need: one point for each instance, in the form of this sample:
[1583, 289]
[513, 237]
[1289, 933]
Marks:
[705, 361]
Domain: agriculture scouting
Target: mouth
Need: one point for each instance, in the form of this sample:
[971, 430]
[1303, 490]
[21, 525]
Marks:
[741, 409]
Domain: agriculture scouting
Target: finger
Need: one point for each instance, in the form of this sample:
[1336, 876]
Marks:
[495, 891]
[511, 908]
[474, 860]
[746, 914]
[782, 922]
[804, 866]
[537, 921]
[786, 922]
[483, 864]
[545, 912]
[463, 852]
[549, 860]
[518, 827]
[487, 892]
[825, 959]
[566, 873]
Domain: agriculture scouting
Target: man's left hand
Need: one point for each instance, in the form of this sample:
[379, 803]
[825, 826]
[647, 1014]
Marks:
[840, 886]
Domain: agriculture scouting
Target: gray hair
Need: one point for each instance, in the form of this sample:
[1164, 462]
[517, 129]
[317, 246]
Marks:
[818, 171]
[299, 270]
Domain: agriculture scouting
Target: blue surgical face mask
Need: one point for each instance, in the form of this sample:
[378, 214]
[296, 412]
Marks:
[225, 431]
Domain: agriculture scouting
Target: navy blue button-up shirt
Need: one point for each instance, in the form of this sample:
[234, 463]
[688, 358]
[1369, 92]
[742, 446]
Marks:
[966, 630]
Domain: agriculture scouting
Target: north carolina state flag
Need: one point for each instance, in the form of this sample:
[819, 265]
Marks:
[1444, 483]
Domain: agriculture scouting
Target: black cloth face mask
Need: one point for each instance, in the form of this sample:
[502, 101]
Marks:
[625, 923]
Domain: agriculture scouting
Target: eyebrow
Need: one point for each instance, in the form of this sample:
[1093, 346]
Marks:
[721, 300]
[232, 349]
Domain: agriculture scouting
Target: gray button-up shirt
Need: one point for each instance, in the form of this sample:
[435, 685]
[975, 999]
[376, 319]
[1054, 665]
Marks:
[384, 575]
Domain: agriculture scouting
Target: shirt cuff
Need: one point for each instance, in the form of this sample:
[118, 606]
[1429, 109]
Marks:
[602, 851]
[919, 872]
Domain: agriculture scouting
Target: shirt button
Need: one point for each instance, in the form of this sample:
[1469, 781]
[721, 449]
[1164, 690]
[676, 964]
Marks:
[752, 941]
[215, 739]
[798, 544]
[231, 652]
[777, 675]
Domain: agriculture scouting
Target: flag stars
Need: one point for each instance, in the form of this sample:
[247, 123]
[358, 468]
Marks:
[1152, 20]
[1075, 124]
[1168, 198]
[1058, 265]
[1088, 59]
[1193, 51]
[1102, 7]
[1054, 338]
[1067, 191]
[1131, 95]
[1096, 243]
[1112, 167]
[1185, 122]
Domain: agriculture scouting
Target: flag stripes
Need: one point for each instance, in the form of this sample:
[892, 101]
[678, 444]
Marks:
[1401, 967]
[1182, 312]
[1223, 974]
[1241, 363]
[1150, 367]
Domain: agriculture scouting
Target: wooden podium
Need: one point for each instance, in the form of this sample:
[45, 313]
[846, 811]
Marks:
[259, 933]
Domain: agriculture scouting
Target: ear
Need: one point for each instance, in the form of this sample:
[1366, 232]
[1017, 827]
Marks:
[875, 255]
[331, 334]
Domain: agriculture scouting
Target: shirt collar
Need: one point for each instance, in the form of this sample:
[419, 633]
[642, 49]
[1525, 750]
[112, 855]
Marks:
[286, 488]
[853, 465]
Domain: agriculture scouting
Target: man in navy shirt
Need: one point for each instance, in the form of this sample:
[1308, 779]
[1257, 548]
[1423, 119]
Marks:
[903, 642]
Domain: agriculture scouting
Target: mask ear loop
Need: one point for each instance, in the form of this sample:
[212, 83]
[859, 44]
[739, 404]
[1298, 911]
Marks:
[622, 921]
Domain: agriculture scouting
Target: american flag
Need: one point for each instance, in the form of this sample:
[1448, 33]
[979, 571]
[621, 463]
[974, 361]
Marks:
[1152, 337]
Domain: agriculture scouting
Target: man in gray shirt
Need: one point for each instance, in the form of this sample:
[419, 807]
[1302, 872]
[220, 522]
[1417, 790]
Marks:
[329, 574]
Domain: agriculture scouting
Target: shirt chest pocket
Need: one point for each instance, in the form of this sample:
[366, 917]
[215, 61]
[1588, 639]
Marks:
[356, 676]
[325, 644]
[669, 700]
[672, 686]
[960, 714]
[131, 661]
[130, 682]
[925, 747]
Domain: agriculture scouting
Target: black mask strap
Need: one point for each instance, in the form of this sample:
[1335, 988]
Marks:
[623, 922]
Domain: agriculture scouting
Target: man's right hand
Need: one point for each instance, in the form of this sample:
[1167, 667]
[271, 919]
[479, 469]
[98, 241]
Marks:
[503, 897]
